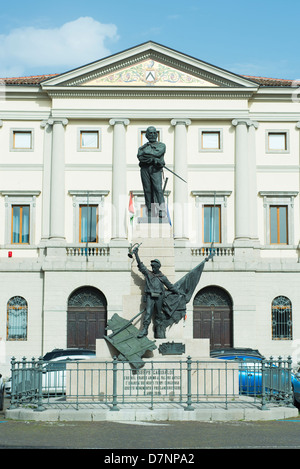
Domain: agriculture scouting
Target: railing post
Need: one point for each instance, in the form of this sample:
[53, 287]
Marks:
[115, 383]
[23, 380]
[189, 384]
[271, 379]
[226, 384]
[32, 377]
[13, 386]
[263, 384]
[289, 383]
[39, 382]
[279, 377]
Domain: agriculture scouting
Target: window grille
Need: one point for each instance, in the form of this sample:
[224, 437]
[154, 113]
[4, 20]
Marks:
[17, 312]
[282, 318]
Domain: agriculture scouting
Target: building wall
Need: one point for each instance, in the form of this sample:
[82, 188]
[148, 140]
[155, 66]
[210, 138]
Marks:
[254, 272]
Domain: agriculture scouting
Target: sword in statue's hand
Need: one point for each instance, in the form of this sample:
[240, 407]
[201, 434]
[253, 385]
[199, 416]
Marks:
[165, 167]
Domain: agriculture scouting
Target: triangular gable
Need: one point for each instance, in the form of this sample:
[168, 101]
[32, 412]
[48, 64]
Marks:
[149, 65]
[148, 73]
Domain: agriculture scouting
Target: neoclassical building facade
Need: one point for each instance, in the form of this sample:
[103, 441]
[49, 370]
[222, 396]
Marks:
[68, 169]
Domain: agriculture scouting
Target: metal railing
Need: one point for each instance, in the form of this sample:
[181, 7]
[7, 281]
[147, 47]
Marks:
[90, 251]
[116, 383]
[218, 251]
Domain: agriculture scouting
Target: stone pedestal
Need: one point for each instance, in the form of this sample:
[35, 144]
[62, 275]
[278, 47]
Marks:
[194, 348]
[156, 242]
[179, 367]
[169, 380]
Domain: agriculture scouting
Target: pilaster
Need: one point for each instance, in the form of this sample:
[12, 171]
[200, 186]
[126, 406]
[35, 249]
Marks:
[57, 186]
[119, 196]
[245, 183]
[46, 192]
[298, 127]
[181, 225]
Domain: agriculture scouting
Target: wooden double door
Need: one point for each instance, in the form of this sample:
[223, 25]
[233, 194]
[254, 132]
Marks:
[213, 317]
[87, 317]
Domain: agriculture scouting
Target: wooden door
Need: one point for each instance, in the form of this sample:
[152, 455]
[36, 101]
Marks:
[85, 325]
[213, 317]
[86, 318]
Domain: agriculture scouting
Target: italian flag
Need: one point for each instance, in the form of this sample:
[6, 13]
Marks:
[131, 208]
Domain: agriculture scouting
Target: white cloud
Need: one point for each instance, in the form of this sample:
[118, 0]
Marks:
[73, 44]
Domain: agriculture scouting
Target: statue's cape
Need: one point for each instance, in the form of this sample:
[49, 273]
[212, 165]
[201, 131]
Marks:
[174, 304]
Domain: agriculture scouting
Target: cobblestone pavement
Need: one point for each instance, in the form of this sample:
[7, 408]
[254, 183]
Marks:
[130, 437]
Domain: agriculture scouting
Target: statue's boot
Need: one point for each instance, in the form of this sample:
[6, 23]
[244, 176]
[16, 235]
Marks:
[143, 332]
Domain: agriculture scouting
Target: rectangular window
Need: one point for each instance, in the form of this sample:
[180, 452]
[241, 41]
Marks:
[210, 140]
[278, 224]
[212, 224]
[88, 223]
[89, 140]
[22, 140]
[20, 224]
[277, 141]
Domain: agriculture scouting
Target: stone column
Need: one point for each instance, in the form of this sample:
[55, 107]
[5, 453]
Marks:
[298, 127]
[46, 192]
[245, 181]
[119, 196]
[252, 180]
[180, 213]
[57, 194]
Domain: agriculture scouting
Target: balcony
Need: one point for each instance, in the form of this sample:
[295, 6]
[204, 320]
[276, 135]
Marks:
[218, 251]
[87, 251]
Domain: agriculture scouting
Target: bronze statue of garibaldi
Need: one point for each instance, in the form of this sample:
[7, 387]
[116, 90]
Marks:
[151, 162]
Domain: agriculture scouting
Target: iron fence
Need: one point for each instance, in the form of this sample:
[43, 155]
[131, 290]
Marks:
[114, 383]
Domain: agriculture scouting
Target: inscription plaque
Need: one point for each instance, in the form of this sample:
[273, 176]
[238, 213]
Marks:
[157, 382]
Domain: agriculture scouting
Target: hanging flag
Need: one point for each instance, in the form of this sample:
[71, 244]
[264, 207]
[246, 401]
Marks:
[131, 208]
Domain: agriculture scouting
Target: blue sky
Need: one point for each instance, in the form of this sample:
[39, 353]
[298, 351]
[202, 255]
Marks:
[257, 37]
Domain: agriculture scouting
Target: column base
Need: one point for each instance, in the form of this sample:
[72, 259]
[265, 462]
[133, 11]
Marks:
[246, 248]
[246, 242]
[55, 247]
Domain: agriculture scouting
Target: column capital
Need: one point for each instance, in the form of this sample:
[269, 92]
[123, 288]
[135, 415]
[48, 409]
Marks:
[297, 125]
[114, 121]
[54, 120]
[181, 121]
[1, 123]
[247, 122]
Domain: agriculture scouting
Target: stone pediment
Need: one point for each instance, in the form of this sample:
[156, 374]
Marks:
[148, 73]
[148, 65]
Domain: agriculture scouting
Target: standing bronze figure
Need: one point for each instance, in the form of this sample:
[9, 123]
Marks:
[151, 162]
[165, 302]
[155, 289]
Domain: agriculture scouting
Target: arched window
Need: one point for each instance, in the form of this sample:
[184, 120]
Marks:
[17, 312]
[282, 325]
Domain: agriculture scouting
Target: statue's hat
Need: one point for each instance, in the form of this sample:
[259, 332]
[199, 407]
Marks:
[156, 261]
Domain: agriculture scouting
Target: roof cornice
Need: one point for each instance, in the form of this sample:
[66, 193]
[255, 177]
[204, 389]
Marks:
[157, 92]
[150, 50]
